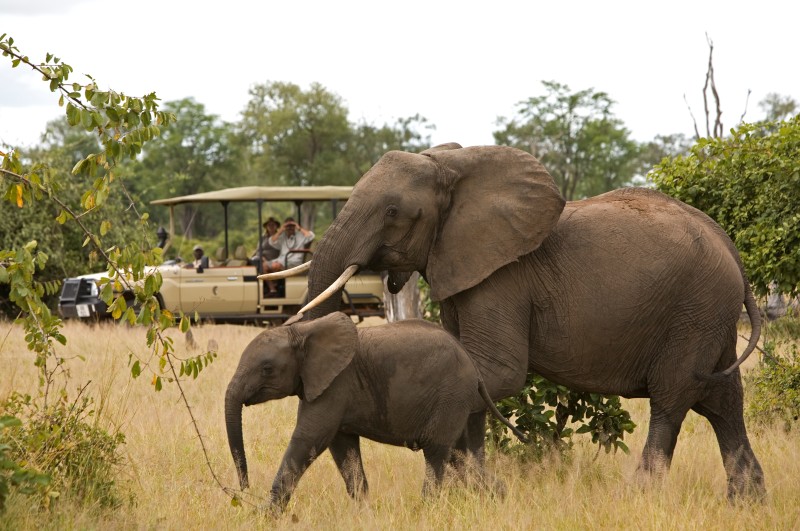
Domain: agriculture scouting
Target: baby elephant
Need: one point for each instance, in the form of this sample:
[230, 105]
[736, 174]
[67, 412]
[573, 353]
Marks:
[408, 383]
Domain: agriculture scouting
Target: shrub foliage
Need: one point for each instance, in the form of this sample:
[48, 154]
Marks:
[64, 441]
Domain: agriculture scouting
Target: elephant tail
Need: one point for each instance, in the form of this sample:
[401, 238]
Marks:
[499, 416]
[751, 307]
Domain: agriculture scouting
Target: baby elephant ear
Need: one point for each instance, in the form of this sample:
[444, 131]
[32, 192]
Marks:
[328, 346]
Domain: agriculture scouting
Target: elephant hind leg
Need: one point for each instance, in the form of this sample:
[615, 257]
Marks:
[469, 449]
[662, 435]
[346, 451]
[723, 408]
[436, 456]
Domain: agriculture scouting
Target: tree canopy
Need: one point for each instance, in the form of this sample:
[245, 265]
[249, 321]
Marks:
[576, 136]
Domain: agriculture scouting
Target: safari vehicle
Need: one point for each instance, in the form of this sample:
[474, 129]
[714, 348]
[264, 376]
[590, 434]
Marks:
[229, 289]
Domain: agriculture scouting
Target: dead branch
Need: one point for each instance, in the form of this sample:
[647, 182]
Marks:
[694, 121]
[746, 102]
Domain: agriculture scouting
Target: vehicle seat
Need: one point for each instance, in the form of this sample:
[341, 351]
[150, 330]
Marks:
[218, 260]
[240, 257]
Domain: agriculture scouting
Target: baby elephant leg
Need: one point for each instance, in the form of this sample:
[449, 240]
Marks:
[436, 456]
[346, 452]
[298, 457]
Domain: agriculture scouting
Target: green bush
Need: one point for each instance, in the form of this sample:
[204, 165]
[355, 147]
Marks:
[547, 414]
[64, 441]
[773, 388]
[13, 474]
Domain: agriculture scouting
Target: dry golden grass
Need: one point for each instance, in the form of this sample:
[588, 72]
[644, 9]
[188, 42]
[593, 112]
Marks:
[170, 486]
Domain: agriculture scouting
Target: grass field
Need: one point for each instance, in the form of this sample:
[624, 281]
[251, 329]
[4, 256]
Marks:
[167, 485]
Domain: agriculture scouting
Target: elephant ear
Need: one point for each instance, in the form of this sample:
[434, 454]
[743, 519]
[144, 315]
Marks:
[327, 345]
[503, 204]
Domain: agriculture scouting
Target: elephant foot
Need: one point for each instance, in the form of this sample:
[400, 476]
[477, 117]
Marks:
[745, 476]
[277, 503]
[647, 478]
[271, 510]
[747, 486]
[475, 477]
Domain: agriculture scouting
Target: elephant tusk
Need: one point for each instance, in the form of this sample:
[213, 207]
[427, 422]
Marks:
[302, 268]
[325, 295]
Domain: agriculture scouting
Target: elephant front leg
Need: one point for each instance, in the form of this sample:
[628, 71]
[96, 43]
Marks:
[346, 451]
[298, 457]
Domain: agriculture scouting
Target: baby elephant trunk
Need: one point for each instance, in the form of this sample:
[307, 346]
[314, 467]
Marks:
[233, 423]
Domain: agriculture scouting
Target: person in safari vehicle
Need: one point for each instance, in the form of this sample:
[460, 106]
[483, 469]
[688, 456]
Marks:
[290, 237]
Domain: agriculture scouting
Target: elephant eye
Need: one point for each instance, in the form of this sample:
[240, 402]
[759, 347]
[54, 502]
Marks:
[391, 211]
[266, 369]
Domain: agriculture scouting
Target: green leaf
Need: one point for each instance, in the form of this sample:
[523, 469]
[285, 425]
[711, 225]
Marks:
[86, 118]
[136, 370]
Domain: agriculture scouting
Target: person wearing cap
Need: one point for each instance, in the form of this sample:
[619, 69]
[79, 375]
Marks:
[291, 236]
[200, 261]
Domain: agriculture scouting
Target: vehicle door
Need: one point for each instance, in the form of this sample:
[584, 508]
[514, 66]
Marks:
[217, 290]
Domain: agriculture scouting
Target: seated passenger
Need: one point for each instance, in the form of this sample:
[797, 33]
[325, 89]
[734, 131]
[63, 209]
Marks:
[287, 239]
[268, 252]
[200, 261]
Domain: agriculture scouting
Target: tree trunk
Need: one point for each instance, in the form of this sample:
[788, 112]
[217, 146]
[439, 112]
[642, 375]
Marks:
[404, 305]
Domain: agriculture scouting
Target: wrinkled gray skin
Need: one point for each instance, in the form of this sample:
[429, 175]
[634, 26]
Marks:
[407, 384]
[629, 293]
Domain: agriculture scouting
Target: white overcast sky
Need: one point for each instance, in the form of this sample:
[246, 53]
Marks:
[461, 64]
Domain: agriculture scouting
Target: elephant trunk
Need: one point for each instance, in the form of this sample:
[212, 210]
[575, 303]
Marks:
[333, 255]
[233, 424]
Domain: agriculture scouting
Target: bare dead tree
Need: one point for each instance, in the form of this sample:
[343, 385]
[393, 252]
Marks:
[710, 82]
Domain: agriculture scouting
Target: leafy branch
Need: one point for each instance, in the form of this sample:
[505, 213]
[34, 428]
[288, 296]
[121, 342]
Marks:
[123, 125]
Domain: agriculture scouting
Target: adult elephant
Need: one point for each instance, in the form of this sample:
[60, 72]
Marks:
[629, 293]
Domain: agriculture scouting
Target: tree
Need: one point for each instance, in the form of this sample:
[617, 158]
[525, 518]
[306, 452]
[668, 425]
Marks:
[749, 183]
[291, 136]
[122, 126]
[193, 155]
[369, 142]
[576, 136]
[778, 108]
[662, 146]
[296, 137]
[61, 149]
